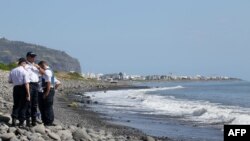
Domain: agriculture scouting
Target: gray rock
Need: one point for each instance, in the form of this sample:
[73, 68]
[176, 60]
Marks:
[102, 132]
[72, 128]
[121, 138]
[45, 137]
[20, 131]
[14, 139]
[39, 128]
[28, 134]
[65, 135]
[47, 130]
[32, 137]
[81, 134]
[24, 138]
[37, 134]
[94, 136]
[150, 138]
[55, 128]
[90, 131]
[12, 130]
[54, 136]
[38, 139]
[5, 118]
[3, 126]
[7, 136]
[3, 131]
[110, 138]
[80, 125]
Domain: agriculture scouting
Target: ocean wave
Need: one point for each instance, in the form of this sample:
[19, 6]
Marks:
[199, 112]
[161, 88]
[203, 112]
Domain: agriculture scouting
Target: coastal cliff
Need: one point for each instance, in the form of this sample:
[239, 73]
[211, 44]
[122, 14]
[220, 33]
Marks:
[10, 51]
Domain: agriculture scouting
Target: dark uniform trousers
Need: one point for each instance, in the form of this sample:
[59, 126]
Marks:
[46, 107]
[32, 108]
[20, 103]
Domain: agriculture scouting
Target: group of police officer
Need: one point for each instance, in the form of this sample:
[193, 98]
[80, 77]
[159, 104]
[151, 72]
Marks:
[34, 86]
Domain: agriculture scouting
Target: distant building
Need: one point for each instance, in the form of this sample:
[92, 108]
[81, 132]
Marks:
[114, 76]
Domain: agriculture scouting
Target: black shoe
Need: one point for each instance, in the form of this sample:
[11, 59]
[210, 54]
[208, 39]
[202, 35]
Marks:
[28, 123]
[13, 122]
[33, 123]
[21, 124]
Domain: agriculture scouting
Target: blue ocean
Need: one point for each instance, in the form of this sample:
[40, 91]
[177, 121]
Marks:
[190, 110]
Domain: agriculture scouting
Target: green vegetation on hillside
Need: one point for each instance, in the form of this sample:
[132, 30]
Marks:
[69, 75]
[9, 66]
[75, 75]
[10, 51]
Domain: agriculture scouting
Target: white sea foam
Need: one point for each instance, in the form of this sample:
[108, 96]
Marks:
[190, 110]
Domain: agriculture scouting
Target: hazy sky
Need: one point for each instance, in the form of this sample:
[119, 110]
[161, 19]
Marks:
[207, 37]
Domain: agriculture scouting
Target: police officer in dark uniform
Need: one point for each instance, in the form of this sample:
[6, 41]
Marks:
[46, 98]
[34, 71]
[21, 94]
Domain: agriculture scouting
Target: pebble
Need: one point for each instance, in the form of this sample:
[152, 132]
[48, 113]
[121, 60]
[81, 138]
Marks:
[14, 139]
[39, 128]
[12, 130]
[7, 136]
[32, 137]
[65, 134]
[55, 128]
[81, 134]
[54, 136]
[20, 131]
[150, 138]
[90, 131]
[39, 139]
[45, 137]
[3, 128]
[72, 128]
[93, 135]
[24, 138]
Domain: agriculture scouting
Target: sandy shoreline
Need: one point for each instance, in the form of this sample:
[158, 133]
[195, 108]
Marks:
[73, 122]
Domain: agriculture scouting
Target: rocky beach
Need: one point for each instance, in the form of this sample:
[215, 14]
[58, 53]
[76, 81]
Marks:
[74, 120]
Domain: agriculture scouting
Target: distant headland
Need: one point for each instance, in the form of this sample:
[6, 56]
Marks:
[10, 51]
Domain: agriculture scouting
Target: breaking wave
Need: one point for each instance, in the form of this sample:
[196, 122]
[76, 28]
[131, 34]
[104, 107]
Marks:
[142, 101]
